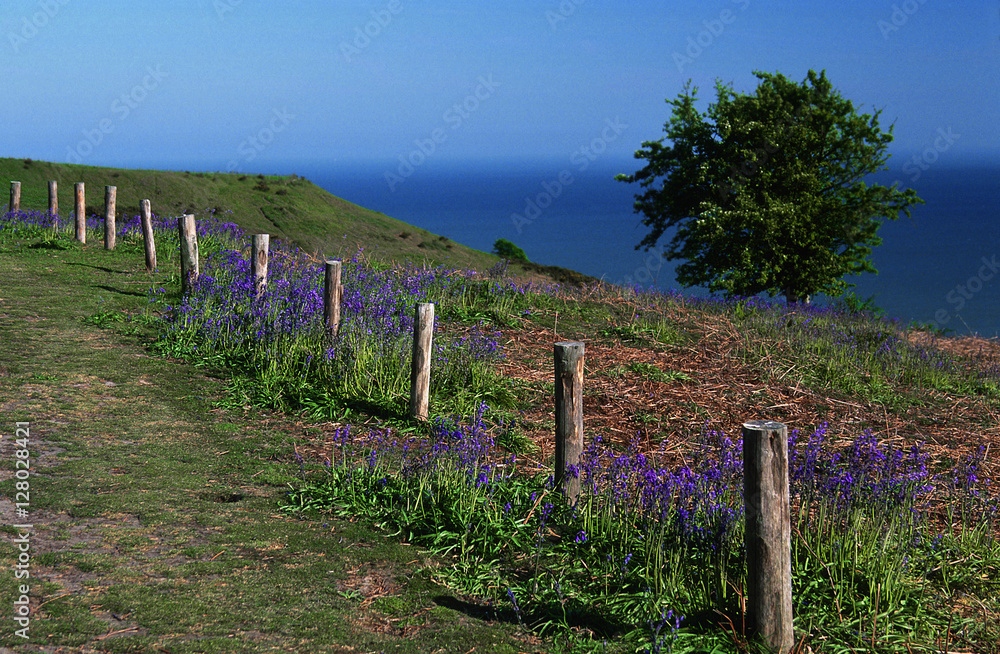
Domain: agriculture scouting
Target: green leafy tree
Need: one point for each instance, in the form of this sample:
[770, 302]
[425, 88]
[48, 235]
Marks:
[767, 192]
[504, 248]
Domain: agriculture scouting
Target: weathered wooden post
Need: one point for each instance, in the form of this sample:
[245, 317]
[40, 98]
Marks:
[110, 231]
[258, 263]
[15, 197]
[569, 416]
[146, 216]
[53, 199]
[189, 251]
[332, 290]
[768, 534]
[420, 375]
[80, 211]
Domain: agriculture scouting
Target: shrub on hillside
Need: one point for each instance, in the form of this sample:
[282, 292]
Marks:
[504, 248]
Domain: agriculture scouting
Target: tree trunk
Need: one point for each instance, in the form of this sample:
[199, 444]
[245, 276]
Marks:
[793, 298]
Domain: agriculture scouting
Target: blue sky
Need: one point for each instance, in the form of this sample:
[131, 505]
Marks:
[255, 86]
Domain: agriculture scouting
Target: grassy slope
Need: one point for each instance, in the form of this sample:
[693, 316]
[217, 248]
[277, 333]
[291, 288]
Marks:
[292, 208]
[155, 519]
[155, 497]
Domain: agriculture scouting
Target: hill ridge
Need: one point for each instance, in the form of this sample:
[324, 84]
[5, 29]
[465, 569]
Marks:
[289, 207]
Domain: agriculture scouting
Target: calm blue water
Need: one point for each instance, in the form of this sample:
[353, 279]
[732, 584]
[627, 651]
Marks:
[942, 266]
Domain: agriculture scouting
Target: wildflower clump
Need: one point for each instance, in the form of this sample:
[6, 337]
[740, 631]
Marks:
[646, 542]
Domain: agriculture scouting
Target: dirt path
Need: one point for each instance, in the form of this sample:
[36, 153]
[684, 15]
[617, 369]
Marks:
[155, 517]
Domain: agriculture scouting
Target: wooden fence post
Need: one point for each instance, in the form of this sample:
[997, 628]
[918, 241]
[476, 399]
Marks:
[189, 251]
[258, 263]
[147, 234]
[332, 290]
[110, 230]
[420, 375]
[569, 416]
[53, 199]
[15, 197]
[80, 211]
[768, 533]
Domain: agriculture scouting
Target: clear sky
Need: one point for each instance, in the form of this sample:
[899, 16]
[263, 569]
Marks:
[250, 85]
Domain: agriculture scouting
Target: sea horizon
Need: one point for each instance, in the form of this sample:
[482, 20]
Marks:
[940, 267]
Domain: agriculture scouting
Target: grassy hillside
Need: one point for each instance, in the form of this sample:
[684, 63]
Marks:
[222, 474]
[287, 207]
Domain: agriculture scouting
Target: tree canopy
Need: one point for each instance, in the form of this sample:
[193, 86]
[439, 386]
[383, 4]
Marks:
[768, 191]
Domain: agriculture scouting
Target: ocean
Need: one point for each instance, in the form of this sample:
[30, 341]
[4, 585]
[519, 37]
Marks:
[940, 267]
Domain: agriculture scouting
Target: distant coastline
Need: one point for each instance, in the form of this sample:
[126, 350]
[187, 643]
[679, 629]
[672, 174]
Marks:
[940, 268]
[928, 265]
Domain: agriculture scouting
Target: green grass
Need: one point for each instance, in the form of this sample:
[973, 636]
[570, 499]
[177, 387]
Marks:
[858, 355]
[293, 209]
[650, 372]
[160, 484]
[156, 513]
[594, 577]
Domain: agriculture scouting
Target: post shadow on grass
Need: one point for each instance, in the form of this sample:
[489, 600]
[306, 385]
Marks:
[112, 289]
[101, 268]
[48, 245]
[539, 615]
[376, 410]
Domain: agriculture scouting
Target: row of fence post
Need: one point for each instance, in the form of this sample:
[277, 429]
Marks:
[765, 443]
[333, 292]
[79, 210]
[187, 233]
[15, 196]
